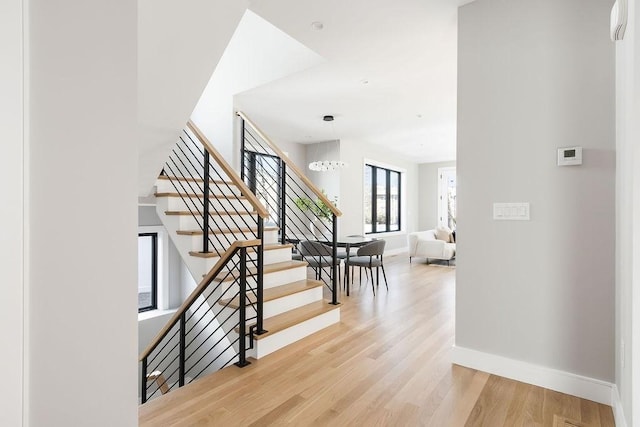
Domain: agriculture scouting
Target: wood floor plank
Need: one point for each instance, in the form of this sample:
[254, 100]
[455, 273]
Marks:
[606, 416]
[493, 403]
[589, 412]
[387, 363]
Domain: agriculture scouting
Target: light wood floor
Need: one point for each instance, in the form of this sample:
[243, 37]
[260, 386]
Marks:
[386, 364]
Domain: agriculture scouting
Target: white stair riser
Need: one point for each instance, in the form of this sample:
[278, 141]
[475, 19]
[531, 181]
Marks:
[282, 305]
[166, 186]
[194, 222]
[290, 302]
[221, 241]
[274, 256]
[285, 276]
[270, 257]
[276, 341]
[270, 237]
[231, 205]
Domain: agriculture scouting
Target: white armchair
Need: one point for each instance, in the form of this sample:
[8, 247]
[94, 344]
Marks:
[423, 244]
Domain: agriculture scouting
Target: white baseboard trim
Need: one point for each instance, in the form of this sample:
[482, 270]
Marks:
[616, 405]
[564, 382]
[397, 251]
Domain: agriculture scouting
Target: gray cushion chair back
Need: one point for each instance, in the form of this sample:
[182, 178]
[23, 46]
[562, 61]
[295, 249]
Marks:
[370, 256]
[318, 255]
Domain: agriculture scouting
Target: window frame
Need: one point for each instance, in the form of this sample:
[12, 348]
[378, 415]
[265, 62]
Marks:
[154, 271]
[374, 196]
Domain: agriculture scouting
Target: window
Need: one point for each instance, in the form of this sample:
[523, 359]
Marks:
[447, 197]
[381, 199]
[147, 271]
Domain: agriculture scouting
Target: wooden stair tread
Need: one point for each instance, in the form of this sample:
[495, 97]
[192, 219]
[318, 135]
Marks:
[269, 268]
[227, 230]
[193, 179]
[274, 246]
[293, 317]
[213, 254]
[212, 212]
[199, 196]
[276, 292]
[216, 254]
[218, 231]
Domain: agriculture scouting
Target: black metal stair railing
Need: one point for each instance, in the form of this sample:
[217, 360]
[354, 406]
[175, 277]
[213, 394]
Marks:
[208, 332]
[223, 209]
[301, 211]
[210, 329]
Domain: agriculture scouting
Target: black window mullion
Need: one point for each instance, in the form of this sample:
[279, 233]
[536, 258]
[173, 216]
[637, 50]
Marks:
[154, 272]
[399, 201]
[388, 205]
[374, 198]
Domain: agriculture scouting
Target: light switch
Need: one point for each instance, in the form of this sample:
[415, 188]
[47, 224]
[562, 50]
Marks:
[511, 211]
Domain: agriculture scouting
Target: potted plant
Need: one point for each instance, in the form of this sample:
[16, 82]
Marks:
[321, 212]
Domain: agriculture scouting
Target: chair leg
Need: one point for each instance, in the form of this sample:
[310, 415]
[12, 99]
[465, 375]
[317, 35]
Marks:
[373, 287]
[385, 277]
[409, 260]
[377, 276]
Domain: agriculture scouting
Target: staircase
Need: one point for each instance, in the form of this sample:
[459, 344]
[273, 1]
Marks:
[252, 298]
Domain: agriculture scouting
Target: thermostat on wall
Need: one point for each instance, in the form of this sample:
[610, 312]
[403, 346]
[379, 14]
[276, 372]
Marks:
[569, 156]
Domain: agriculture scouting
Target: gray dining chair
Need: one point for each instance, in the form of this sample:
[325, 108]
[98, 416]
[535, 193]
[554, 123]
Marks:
[319, 256]
[368, 257]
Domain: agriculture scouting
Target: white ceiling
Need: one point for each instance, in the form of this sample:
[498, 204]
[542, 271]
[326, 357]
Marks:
[405, 49]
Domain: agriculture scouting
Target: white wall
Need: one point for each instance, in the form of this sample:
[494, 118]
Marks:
[12, 212]
[428, 196]
[628, 208]
[179, 45]
[351, 200]
[258, 53]
[534, 76]
[81, 298]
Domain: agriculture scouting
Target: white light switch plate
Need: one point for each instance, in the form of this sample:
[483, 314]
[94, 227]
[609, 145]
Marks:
[511, 211]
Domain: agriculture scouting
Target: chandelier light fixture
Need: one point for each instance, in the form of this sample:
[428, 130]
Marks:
[327, 165]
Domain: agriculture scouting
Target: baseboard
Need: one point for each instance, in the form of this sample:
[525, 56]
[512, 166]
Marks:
[564, 382]
[397, 251]
[616, 405]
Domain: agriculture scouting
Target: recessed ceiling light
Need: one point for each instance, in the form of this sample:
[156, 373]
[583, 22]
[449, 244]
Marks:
[364, 81]
[328, 118]
[317, 25]
[419, 116]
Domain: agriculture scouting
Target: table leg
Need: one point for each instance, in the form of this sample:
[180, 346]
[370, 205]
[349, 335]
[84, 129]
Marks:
[346, 268]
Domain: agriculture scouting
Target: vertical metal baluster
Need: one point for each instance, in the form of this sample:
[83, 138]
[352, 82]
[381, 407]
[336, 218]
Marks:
[205, 213]
[242, 345]
[260, 279]
[144, 380]
[182, 355]
[334, 247]
[283, 203]
[242, 148]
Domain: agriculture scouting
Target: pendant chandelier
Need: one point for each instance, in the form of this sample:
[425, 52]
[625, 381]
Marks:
[327, 165]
